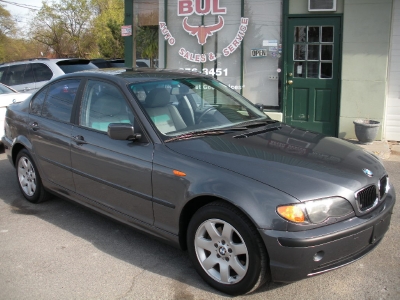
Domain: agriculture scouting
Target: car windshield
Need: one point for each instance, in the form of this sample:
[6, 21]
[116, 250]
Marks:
[190, 105]
[5, 90]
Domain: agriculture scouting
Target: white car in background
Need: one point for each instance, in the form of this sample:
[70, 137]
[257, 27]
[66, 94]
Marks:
[8, 96]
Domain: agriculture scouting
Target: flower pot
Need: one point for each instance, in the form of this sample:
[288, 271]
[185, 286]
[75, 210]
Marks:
[366, 130]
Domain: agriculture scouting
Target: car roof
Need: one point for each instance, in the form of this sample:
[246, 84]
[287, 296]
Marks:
[137, 75]
[41, 59]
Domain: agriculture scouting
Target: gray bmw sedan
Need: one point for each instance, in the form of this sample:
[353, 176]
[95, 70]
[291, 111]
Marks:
[186, 159]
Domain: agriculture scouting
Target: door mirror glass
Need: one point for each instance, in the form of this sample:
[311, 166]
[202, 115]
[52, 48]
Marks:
[122, 131]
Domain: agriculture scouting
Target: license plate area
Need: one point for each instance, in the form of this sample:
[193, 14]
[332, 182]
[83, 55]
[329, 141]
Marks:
[380, 229]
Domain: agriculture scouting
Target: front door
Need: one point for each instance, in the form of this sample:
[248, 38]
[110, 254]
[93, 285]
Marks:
[312, 86]
[112, 175]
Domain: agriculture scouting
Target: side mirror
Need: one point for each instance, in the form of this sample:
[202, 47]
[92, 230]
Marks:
[122, 131]
[259, 106]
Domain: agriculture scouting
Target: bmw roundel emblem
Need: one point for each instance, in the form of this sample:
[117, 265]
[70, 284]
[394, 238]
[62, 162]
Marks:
[368, 172]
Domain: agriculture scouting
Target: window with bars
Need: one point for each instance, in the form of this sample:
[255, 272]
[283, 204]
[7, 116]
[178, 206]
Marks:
[313, 52]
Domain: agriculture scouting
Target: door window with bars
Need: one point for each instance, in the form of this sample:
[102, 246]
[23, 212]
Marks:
[313, 52]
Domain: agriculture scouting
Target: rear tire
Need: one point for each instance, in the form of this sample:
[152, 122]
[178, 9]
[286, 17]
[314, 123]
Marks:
[29, 180]
[226, 249]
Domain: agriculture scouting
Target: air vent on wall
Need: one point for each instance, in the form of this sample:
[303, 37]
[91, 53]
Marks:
[321, 5]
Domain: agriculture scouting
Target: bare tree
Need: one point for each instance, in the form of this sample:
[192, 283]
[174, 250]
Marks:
[65, 27]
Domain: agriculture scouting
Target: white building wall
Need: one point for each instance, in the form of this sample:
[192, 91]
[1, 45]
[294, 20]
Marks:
[392, 128]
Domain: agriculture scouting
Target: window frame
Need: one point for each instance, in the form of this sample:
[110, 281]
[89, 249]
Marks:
[74, 104]
[82, 103]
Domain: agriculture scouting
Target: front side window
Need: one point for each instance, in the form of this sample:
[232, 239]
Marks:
[192, 104]
[102, 104]
[15, 75]
[60, 99]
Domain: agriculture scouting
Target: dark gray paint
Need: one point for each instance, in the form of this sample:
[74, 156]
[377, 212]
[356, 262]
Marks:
[256, 173]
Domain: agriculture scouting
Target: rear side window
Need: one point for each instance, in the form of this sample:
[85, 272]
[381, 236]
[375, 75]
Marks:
[60, 99]
[37, 102]
[28, 74]
[71, 66]
[41, 72]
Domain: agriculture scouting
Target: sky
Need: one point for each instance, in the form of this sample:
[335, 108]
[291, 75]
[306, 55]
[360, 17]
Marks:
[20, 14]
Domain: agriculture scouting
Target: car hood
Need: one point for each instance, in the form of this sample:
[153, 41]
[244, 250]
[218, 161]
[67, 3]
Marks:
[7, 99]
[303, 164]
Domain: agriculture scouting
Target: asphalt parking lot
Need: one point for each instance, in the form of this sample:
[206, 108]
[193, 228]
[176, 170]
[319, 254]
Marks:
[60, 250]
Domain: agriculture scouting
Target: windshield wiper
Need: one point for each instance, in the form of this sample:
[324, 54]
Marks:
[257, 123]
[194, 134]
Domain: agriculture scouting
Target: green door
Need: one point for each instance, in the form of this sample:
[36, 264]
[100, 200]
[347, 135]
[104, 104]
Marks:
[313, 56]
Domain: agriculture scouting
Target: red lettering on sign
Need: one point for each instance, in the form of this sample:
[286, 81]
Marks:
[185, 7]
[200, 7]
[205, 10]
[218, 10]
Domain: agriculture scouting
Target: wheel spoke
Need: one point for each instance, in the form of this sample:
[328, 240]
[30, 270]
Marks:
[239, 249]
[23, 181]
[33, 187]
[210, 262]
[228, 231]
[238, 267]
[212, 231]
[29, 189]
[25, 164]
[205, 244]
[224, 272]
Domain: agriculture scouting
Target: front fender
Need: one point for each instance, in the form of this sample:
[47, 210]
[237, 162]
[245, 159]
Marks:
[171, 193]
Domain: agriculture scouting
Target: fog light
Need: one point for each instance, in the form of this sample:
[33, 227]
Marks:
[319, 255]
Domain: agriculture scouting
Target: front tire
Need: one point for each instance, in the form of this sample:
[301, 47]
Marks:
[29, 180]
[226, 249]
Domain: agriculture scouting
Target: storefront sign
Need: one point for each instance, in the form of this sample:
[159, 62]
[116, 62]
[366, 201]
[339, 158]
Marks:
[258, 52]
[187, 8]
[167, 35]
[203, 32]
[126, 30]
[270, 43]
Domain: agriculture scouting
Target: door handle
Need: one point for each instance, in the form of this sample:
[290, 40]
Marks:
[35, 126]
[290, 82]
[80, 140]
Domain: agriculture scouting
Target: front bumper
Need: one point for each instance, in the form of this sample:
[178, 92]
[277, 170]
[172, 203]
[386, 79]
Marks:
[297, 255]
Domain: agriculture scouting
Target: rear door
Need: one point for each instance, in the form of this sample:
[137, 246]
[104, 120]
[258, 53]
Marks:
[113, 175]
[50, 131]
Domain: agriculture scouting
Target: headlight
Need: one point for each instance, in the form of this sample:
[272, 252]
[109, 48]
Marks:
[316, 211]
